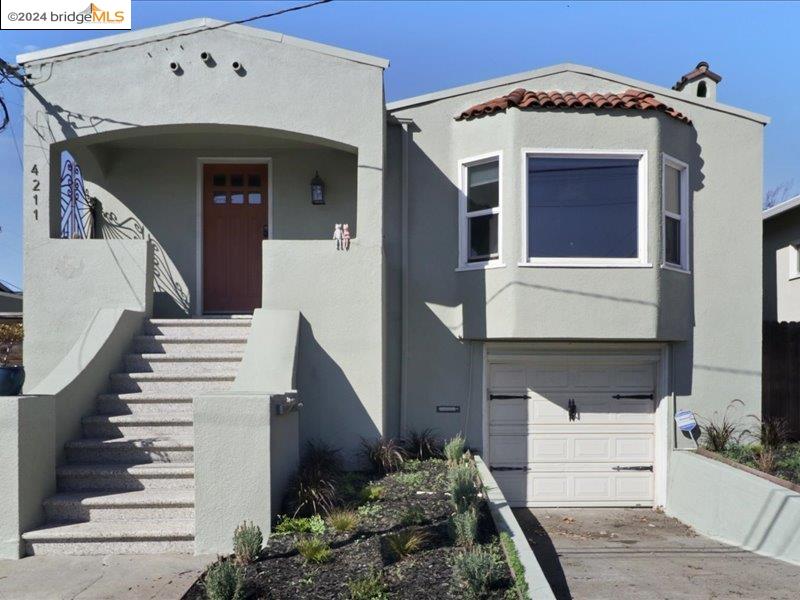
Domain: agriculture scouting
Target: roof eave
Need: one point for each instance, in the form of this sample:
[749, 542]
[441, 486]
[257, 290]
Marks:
[781, 208]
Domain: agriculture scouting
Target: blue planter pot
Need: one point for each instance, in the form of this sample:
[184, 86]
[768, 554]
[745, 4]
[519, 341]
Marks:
[11, 380]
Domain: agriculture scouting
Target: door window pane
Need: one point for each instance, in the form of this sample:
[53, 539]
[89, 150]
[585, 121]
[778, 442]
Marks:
[482, 238]
[254, 198]
[672, 240]
[237, 198]
[482, 186]
[237, 180]
[254, 180]
[583, 207]
[220, 197]
[219, 179]
[672, 189]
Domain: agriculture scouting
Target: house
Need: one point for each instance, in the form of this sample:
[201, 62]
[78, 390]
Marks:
[782, 261]
[551, 262]
[10, 300]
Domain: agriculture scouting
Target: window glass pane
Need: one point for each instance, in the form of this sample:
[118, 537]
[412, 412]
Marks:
[219, 197]
[254, 180]
[237, 180]
[237, 198]
[482, 186]
[672, 189]
[672, 240]
[582, 207]
[482, 238]
[219, 179]
[254, 198]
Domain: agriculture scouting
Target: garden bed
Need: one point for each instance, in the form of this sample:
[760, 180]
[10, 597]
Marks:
[786, 469]
[375, 515]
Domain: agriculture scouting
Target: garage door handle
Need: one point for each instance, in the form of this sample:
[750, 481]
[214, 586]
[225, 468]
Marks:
[647, 468]
[633, 396]
[508, 468]
[509, 397]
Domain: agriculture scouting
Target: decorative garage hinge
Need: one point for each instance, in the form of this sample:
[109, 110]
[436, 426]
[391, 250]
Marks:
[633, 396]
[509, 397]
[639, 468]
[508, 468]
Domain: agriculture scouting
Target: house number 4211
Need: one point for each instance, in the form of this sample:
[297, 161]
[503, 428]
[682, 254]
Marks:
[35, 184]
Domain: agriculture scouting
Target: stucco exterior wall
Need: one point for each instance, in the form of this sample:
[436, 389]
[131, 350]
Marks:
[781, 284]
[716, 352]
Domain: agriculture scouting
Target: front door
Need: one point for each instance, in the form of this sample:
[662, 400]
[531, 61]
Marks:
[234, 224]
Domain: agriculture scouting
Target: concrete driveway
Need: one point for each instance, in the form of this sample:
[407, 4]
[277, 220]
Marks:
[637, 554]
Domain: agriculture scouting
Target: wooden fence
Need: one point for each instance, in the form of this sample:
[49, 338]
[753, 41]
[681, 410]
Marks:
[780, 388]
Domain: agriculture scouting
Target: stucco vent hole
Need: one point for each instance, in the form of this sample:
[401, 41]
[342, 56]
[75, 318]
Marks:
[175, 67]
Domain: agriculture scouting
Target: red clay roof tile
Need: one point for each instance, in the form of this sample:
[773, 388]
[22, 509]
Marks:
[521, 98]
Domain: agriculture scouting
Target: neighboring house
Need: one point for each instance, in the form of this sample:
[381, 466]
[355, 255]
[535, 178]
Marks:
[551, 262]
[782, 261]
[10, 300]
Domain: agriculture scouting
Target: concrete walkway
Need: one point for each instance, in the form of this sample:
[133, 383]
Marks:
[132, 577]
[638, 554]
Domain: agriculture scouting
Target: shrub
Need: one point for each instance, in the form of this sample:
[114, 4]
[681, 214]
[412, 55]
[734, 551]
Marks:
[463, 486]
[412, 480]
[247, 541]
[343, 520]
[412, 465]
[371, 493]
[464, 527]
[515, 564]
[370, 509]
[314, 550]
[10, 334]
[405, 542]
[476, 571]
[367, 587]
[766, 460]
[384, 455]
[717, 434]
[314, 487]
[423, 445]
[224, 581]
[773, 432]
[313, 525]
[414, 515]
[454, 450]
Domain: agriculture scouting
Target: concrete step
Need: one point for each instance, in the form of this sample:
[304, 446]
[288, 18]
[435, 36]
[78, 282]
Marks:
[182, 364]
[131, 450]
[126, 537]
[135, 403]
[197, 328]
[173, 345]
[154, 424]
[125, 477]
[167, 383]
[120, 506]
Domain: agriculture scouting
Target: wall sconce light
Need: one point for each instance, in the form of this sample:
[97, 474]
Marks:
[317, 190]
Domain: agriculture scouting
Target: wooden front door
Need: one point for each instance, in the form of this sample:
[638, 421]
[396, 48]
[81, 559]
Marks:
[234, 224]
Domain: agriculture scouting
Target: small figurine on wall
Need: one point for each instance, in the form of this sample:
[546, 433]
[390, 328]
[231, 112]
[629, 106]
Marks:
[338, 236]
[346, 236]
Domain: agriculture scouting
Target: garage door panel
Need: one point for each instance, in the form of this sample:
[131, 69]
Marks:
[543, 377]
[515, 486]
[509, 411]
[509, 450]
[507, 376]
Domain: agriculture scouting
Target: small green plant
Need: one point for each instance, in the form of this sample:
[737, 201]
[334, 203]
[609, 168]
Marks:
[414, 515]
[454, 450]
[314, 550]
[343, 520]
[370, 509]
[423, 445]
[477, 571]
[412, 465]
[247, 542]
[224, 580]
[718, 433]
[412, 480]
[463, 486]
[405, 542]
[367, 587]
[313, 525]
[464, 527]
[313, 489]
[773, 432]
[383, 454]
[517, 569]
[372, 493]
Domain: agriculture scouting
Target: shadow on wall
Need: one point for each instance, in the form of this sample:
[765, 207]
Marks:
[341, 414]
[170, 293]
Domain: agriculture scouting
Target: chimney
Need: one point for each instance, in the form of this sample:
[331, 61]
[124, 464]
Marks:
[699, 83]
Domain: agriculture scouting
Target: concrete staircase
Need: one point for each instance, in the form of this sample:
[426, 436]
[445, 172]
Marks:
[128, 484]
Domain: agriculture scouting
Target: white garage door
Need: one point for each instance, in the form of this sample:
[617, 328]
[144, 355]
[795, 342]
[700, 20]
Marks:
[569, 430]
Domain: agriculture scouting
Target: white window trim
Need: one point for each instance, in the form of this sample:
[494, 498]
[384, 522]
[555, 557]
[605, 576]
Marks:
[683, 218]
[794, 260]
[641, 261]
[463, 230]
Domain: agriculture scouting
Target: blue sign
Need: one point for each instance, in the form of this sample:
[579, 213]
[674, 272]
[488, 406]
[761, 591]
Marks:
[685, 420]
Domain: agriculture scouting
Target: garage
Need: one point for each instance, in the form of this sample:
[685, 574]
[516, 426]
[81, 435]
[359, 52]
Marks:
[573, 428]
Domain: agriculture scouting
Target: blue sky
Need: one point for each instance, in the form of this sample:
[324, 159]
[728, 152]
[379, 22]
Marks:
[434, 45]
